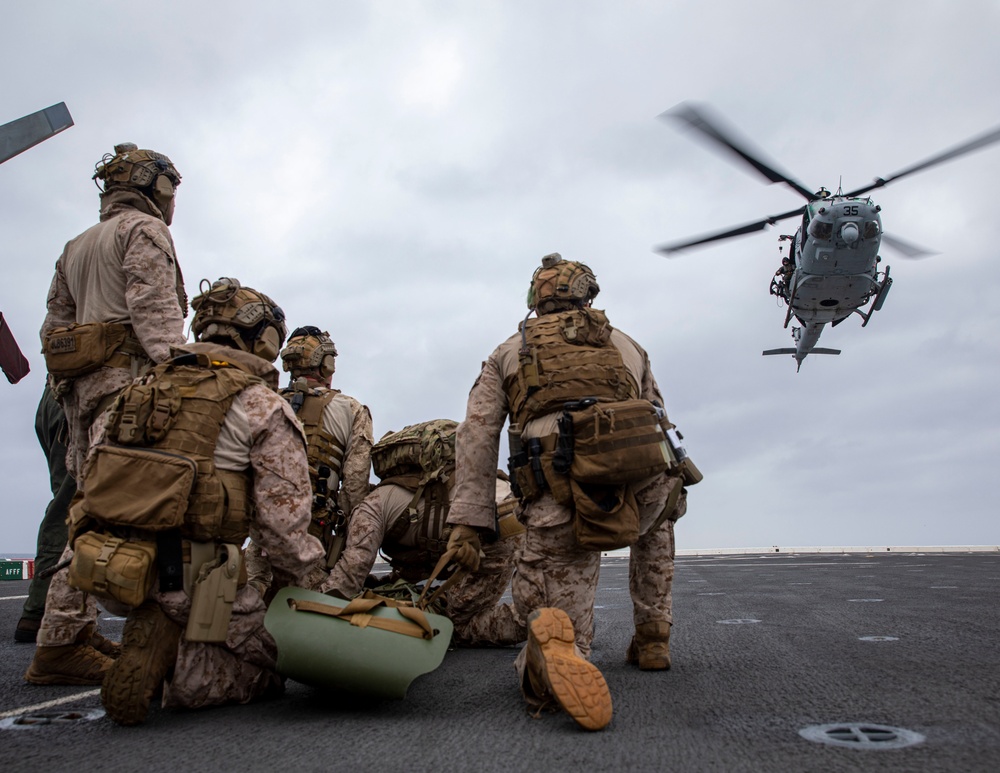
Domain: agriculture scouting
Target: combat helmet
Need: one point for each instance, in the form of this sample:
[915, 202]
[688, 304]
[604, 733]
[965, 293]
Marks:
[151, 173]
[560, 284]
[238, 316]
[309, 348]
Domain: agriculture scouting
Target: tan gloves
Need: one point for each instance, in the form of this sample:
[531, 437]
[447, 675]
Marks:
[464, 540]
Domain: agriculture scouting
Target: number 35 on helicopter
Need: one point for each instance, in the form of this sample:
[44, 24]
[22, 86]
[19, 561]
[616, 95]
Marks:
[832, 267]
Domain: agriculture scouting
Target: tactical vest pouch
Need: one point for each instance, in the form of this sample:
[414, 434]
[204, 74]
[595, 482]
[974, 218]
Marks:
[606, 517]
[507, 523]
[110, 567]
[213, 596]
[80, 349]
[141, 487]
[618, 442]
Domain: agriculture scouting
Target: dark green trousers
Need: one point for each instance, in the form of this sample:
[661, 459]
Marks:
[50, 426]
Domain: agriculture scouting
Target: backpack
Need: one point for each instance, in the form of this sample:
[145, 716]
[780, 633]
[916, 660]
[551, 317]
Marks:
[420, 451]
[419, 458]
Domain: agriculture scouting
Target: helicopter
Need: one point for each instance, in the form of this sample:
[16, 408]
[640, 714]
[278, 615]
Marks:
[832, 267]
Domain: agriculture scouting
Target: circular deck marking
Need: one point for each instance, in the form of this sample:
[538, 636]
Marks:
[43, 718]
[862, 735]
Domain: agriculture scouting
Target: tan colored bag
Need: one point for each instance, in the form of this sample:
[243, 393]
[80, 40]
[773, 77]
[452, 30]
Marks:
[606, 517]
[618, 442]
[110, 567]
[80, 349]
[141, 487]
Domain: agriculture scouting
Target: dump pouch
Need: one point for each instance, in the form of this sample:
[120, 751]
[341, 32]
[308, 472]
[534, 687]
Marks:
[80, 349]
[113, 568]
[618, 442]
[141, 487]
[213, 597]
[605, 517]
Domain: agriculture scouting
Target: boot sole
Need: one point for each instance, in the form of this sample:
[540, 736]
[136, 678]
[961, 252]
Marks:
[577, 684]
[149, 649]
[46, 679]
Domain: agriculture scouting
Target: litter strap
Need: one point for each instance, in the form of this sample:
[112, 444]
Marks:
[358, 612]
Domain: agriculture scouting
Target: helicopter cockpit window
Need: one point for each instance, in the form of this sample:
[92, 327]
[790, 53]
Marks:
[821, 230]
[871, 229]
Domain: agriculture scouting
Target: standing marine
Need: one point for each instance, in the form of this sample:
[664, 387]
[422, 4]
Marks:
[594, 470]
[115, 307]
[117, 302]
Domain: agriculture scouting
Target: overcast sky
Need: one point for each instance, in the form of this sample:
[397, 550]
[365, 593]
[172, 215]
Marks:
[393, 171]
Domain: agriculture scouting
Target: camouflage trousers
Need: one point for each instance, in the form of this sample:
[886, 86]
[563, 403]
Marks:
[554, 571]
[83, 401]
[473, 602]
[236, 671]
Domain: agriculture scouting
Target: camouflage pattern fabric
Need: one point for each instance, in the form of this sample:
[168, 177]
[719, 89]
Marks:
[353, 481]
[358, 458]
[472, 604]
[553, 571]
[261, 433]
[123, 269]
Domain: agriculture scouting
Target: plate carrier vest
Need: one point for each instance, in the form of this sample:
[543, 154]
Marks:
[179, 409]
[322, 448]
[566, 356]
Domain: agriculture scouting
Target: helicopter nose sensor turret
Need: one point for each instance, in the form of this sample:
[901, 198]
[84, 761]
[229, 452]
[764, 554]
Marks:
[850, 233]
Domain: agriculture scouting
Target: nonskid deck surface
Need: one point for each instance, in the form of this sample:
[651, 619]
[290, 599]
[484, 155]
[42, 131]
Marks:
[781, 661]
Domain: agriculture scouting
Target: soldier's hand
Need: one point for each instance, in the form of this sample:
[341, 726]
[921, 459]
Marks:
[464, 540]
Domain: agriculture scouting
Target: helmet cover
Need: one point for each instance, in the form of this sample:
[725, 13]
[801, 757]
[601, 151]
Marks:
[309, 348]
[134, 168]
[248, 319]
[559, 283]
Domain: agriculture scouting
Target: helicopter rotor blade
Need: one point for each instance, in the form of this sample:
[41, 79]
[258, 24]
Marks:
[905, 248]
[748, 228]
[698, 118]
[959, 150]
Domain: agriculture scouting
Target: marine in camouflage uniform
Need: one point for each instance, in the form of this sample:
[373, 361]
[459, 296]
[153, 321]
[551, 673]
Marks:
[339, 439]
[261, 441]
[122, 270]
[472, 603]
[555, 578]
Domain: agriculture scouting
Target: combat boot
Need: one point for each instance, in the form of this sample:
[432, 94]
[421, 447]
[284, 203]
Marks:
[89, 635]
[67, 664]
[27, 630]
[556, 670]
[650, 647]
[149, 650]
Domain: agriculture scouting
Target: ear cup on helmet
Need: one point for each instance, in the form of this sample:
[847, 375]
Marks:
[328, 366]
[268, 344]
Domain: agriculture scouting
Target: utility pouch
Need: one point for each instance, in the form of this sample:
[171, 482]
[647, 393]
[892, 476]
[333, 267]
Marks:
[213, 597]
[507, 523]
[524, 483]
[605, 517]
[618, 442]
[690, 473]
[141, 487]
[80, 349]
[110, 567]
[558, 482]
